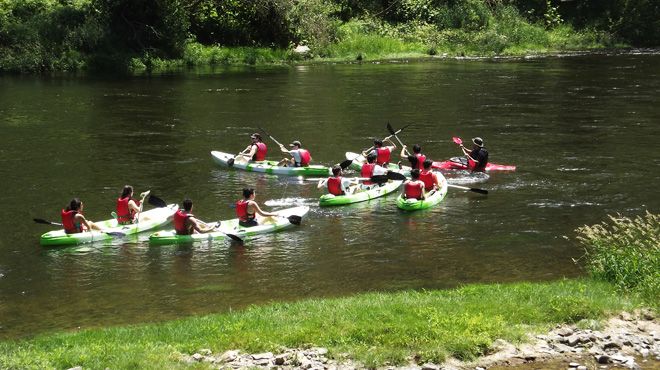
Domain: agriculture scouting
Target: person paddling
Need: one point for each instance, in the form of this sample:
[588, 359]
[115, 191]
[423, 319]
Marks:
[128, 208]
[299, 157]
[73, 220]
[414, 187]
[247, 209]
[256, 151]
[477, 157]
[371, 168]
[383, 153]
[416, 158]
[185, 222]
[431, 180]
[336, 184]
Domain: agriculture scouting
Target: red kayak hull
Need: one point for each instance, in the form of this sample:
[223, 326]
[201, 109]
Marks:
[451, 165]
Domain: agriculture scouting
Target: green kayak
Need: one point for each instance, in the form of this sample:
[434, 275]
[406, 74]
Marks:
[359, 160]
[363, 193]
[432, 198]
[269, 167]
[232, 227]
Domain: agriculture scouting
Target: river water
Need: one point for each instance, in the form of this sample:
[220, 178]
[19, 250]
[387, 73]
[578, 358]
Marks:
[583, 131]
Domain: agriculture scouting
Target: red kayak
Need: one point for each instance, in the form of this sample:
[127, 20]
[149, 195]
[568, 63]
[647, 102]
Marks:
[460, 163]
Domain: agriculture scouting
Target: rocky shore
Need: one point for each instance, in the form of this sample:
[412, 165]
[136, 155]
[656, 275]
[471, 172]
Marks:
[628, 340]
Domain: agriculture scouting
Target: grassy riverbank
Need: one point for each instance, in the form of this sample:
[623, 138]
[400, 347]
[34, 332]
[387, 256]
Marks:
[374, 328]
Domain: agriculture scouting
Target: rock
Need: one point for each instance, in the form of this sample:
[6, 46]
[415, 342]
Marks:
[322, 351]
[581, 367]
[430, 366]
[612, 345]
[281, 359]
[197, 357]
[229, 356]
[573, 364]
[565, 332]
[603, 359]
[76, 368]
[573, 340]
[263, 356]
[205, 352]
[625, 316]
[644, 352]
[302, 49]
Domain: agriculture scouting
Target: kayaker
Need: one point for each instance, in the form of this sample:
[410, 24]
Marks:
[299, 157]
[478, 156]
[416, 158]
[185, 222]
[127, 207]
[414, 188]
[383, 153]
[336, 184]
[430, 179]
[371, 168]
[256, 151]
[73, 220]
[247, 209]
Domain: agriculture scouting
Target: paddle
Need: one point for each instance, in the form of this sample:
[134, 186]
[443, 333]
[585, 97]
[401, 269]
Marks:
[390, 175]
[391, 130]
[457, 140]
[272, 138]
[156, 202]
[345, 164]
[293, 219]
[231, 236]
[480, 191]
[46, 222]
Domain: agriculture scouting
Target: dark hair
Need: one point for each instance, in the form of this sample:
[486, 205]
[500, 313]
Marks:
[256, 135]
[247, 192]
[74, 205]
[417, 148]
[126, 192]
[415, 174]
[371, 158]
[187, 205]
[336, 170]
[378, 143]
[427, 164]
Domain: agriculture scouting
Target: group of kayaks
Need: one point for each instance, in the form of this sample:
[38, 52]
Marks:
[163, 213]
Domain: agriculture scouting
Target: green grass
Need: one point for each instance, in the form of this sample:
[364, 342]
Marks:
[374, 328]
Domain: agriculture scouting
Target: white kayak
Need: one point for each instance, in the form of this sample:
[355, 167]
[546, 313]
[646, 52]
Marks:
[270, 167]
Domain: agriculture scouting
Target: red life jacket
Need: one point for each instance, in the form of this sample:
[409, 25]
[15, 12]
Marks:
[260, 155]
[69, 223]
[367, 171]
[124, 215]
[305, 157]
[413, 190]
[180, 218]
[383, 156]
[428, 178]
[242, 211]
[334, 186]
[420, 161]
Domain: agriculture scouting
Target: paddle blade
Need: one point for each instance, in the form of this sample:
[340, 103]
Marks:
[116, 234]
[379, 179]
[156, 202]
[230, 162]
[396, 176]
[296, 220]
[390, 129]
[45, 222]
[345, 164]
[457, 140]
[480, 191]
[234, 238]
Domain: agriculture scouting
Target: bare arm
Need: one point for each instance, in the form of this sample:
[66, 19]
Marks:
[322, 183]
[259, 211]
[404, 152]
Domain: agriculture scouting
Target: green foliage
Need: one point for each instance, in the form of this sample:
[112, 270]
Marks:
[626, 253]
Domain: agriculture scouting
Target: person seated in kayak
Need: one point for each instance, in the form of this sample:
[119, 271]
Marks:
[371, 168]
[247, 209]
[383, 153]
[477, 158]
[256, 151]
[336, 184]
[185, 222]
[431, 180]
[73, 220]
[127, 207]
[416, 159]
[414, 188]
[299, 157]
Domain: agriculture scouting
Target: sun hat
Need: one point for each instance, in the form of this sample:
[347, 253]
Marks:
[478, 141]
[296, 142]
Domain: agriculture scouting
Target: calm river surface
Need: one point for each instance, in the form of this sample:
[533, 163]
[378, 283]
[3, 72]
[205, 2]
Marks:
[584, 132]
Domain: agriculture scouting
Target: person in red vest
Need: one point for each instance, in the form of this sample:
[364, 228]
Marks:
[73, 220]
[185, 222]
[256, 151]
[128, 208]
[383, 153]
[416, 158]
[247, 209]
[414, 187]
[299, 157]
[371, 168]
[477, 157]
[431, 180]
[336, 184]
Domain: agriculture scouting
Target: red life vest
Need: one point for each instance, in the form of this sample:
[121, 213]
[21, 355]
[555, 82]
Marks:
[305, 157]
[420, 161]
[413, 190]
[180, 218]
[334, 186]
[124, 215]
[383, 156]
[260, 155]
[367, 171]
[242, 211]
[69, 223]
[428, 178]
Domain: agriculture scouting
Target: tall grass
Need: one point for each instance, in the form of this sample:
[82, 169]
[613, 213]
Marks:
[374, 328]
[626, 252]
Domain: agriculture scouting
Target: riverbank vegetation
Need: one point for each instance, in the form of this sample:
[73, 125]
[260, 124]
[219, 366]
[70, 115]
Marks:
[122, 35]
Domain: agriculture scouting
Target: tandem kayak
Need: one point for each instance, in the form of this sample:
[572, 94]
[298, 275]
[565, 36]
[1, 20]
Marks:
[270, 167]
[149, 220]
[232, 227]
[432, 198]
[453, 164]
[366, 192]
